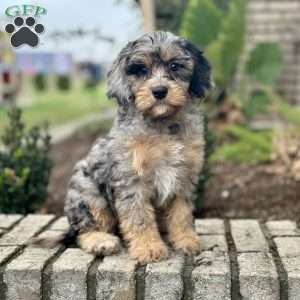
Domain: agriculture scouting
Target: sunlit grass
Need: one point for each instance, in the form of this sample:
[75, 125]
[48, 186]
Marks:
[58, 107]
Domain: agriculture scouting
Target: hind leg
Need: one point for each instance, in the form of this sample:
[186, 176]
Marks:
[89, 215]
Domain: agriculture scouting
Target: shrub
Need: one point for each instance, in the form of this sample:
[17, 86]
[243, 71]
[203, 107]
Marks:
[220, 34]
[40, 82]
[247, 146]
[24, 166]
[63, 82]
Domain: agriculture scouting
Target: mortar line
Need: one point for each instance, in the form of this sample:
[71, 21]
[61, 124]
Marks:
[234, 268]
[282, 275]
[20, 249]
[187, 278]
[3, 265]
[140, 275]
[46, 274]
[92, 279]
[44, 228]
[6, 230]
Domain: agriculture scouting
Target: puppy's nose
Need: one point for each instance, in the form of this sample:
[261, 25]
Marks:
[160, 92]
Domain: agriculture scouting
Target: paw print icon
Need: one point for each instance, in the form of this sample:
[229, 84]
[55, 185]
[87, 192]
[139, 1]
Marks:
[24, 31]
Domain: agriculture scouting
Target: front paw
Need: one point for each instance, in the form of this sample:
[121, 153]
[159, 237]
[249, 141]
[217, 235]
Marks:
[188, 243]
[99, 243]
[148, 252]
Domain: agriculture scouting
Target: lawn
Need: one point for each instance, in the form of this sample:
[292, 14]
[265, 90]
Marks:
[58, 107]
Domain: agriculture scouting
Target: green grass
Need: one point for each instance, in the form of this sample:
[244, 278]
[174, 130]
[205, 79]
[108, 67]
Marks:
[58, 107]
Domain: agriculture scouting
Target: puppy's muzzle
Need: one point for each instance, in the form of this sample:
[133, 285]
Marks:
[160, 92]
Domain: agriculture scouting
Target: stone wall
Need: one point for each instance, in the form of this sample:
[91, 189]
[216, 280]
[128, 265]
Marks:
[278, 21]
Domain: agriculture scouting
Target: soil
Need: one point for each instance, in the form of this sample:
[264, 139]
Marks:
[233, 191]
[251, 191]
[64, 156]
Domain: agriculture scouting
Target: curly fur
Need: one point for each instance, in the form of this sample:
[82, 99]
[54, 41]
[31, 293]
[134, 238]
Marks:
[146, 169]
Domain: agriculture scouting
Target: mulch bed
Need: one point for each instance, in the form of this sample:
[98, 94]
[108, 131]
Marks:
[251, 191]
[64, 156]
[234, 191]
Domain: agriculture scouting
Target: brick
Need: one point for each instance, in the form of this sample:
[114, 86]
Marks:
[23, 276]
[26, 229]
[288, 246]
[292, 268]
[213, 243]
[211, 277]
[61, 224]
[49, 234]
[289, 252]
[284, 6]
[69, 275]
[248, 236]
[210, 226]
[116, 278]
[257, 6]
[7, 252]
[164, 279]
[282, 228]
[258, 276]
[6, 221]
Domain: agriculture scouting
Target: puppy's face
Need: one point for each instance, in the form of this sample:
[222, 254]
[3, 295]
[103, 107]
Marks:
[159, 74]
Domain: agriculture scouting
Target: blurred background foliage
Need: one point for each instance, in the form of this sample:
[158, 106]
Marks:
[24, 166]
[244, 98]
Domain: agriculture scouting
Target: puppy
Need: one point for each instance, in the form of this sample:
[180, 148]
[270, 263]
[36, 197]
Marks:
[140, 179]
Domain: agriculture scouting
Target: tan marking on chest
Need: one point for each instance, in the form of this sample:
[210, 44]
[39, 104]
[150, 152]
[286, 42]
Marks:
[147, 151]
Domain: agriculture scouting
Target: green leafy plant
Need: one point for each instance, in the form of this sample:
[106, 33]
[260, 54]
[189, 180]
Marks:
[262, 70]
[231, 39]
[265, 63]
[258, 103]
[201, 22]
[220, 34]
[246, 146]
[24, 166]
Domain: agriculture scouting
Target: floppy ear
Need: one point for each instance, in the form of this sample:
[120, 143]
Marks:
[117, 86]
[202, 82]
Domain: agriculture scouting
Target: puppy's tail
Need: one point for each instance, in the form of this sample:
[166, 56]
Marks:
[67, 238]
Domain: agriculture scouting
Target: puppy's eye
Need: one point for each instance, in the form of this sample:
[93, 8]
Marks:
[175, 66]
[137, 69]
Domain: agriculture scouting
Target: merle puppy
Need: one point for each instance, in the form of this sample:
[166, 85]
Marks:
[140, 179]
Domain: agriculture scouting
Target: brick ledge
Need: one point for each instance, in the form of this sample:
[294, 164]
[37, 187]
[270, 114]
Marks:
[240, 259]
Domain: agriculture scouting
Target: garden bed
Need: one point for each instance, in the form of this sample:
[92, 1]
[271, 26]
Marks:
[234, 190]
[65, 155]
[251, 191]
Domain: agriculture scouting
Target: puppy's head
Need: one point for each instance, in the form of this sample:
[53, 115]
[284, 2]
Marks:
[159, 73]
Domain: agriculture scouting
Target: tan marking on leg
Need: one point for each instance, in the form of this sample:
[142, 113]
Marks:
[104, 219]
[99, 243]
[145, 243]
[181, 233]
